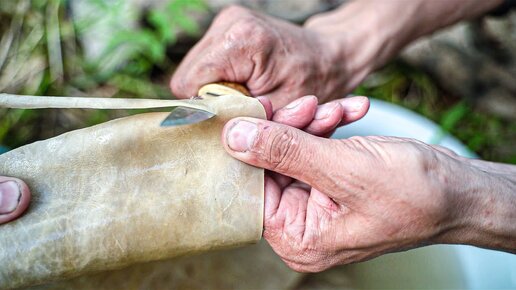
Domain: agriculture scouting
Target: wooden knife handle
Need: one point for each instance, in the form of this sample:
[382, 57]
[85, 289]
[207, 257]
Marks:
[223, 88]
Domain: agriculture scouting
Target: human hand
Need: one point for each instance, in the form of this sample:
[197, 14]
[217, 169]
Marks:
[330, 202]
[14, 198]
[271, 57]
[329, 56]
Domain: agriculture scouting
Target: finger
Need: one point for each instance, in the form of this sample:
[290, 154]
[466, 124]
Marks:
[297, 114]
[279, 148]
[299, 234]
[329, 134]
[355, 108]
[301, 185]
[321, 209]
[272, 198]
[267, 105]
[288, 218]
[220, 55]
[181, 86]
[327, 118]
[282, 180]
[208, 67]
[324, 201]
[14, 198]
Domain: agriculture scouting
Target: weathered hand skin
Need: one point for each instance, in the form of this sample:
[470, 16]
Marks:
[129, 191]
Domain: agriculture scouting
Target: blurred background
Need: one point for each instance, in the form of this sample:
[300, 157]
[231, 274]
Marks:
[463, 78]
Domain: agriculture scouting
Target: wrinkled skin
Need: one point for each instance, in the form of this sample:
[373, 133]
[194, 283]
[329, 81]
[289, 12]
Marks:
[330, 202]
[271, 57]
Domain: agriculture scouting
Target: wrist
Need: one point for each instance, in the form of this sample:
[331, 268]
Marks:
[351, 46]
[364, 35]
[482, 208]
[367, 33]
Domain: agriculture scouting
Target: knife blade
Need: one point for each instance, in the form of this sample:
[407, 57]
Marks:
[185, 116]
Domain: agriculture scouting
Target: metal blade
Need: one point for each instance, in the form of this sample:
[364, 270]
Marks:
[185, 115]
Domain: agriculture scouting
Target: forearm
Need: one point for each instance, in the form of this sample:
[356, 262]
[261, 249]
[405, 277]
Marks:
[367, 33]
[485, 195]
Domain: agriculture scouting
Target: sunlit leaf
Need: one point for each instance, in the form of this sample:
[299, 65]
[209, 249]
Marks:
[453, 115]
[162, 23]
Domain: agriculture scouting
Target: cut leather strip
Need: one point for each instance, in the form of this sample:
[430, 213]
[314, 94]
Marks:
[42, 102]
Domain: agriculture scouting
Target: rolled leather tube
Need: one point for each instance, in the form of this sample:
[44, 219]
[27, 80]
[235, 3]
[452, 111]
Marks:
[129, 191]
[251, 267]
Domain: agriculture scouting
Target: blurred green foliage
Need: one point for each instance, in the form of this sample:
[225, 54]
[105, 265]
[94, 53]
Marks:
[40, 54]
[490, 136]
[147, 44]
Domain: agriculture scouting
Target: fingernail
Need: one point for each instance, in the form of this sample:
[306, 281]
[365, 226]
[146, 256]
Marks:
[241, 136]
[295, 103]
[325, 111]
[9, 196]
[299, 101]
[354, 104]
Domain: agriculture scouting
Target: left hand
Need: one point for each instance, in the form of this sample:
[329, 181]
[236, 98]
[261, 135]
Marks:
[330, 202]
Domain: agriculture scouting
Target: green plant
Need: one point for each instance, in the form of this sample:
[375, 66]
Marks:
[449, 120]
[490, 136]
[41, 54]
[147, 44]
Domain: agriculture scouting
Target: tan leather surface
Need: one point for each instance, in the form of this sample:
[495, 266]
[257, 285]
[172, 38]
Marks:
[250, 267]
[129, 191]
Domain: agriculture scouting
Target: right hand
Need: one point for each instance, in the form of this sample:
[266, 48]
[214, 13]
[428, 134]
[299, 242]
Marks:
[14, 198]
[271, 57]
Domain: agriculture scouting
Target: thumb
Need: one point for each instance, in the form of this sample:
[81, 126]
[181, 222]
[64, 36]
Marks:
[14, 198]
[278, 148]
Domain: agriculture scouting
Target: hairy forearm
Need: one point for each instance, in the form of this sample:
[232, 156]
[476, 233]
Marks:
[367, 33]
[485, 204]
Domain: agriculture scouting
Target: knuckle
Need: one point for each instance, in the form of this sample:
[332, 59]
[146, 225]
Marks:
[282, 150]
[216, 67]
[182, 87]
[261, 33]
[250, 26]
[176, 86]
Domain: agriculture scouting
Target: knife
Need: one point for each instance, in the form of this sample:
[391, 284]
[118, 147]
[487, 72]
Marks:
[186, 115]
